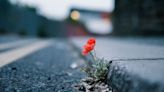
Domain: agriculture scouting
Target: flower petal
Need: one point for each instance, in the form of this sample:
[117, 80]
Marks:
[91, 41]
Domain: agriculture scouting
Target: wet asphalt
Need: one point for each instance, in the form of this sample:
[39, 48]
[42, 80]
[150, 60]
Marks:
[47, 70]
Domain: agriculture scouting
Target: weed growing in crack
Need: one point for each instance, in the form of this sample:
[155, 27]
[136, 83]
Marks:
[96, 72]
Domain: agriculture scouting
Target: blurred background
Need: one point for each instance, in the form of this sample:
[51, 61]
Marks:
[63, 18]
[125, 30]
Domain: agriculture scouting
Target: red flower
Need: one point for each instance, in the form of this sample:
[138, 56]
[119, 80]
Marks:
[91, 41]
[84, 52]
[89, 46]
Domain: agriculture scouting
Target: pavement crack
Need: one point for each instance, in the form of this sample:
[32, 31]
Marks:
[130, 59]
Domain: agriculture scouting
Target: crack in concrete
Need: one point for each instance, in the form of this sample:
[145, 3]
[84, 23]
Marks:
[136, 59]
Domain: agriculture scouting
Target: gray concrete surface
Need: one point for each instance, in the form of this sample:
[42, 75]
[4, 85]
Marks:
[137, 76]
[120, 48]
[138, 63]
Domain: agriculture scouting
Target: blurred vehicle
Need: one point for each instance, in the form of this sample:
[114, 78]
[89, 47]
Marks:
[95, 22]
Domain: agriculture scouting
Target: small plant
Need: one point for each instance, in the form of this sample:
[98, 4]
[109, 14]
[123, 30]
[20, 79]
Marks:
[99, 67]
[96, 72]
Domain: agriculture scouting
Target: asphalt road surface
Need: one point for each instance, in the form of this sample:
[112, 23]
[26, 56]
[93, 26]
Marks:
[39, 66]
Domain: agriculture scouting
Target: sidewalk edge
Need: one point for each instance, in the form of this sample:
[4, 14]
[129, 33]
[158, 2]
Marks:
[121, 80]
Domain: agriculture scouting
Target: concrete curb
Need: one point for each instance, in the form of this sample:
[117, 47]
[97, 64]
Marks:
[123, 81]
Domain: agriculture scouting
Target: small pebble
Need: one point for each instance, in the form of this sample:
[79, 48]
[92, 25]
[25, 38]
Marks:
[13, 68]
[49, 78]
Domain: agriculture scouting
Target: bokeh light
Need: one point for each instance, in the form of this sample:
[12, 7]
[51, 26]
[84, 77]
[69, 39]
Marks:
[75, 15]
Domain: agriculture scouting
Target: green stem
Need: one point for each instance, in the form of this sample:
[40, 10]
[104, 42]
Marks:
[93, 55]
